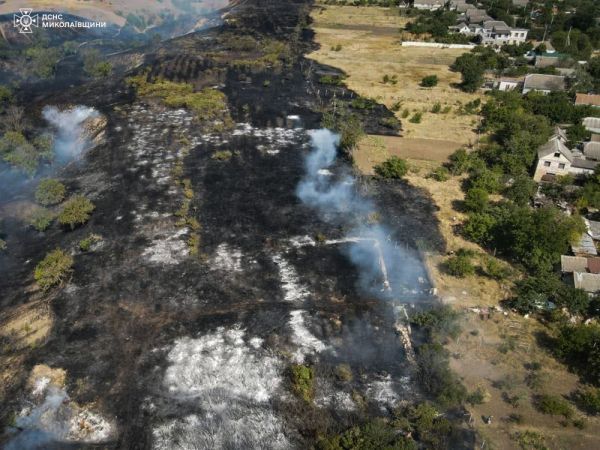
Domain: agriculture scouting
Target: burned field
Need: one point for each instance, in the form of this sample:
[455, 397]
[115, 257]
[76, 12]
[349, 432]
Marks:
[245, 290]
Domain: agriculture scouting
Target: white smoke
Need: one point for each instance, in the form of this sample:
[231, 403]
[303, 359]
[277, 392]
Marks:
[56, 419]
[386, 268]
[70, 139]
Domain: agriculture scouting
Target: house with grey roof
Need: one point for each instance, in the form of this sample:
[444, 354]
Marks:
[584, 246]
[459, 5]
[543, 83]
[474, 15]
[592, 124]
[556, 159]
[570, 264]
[431, 5]
[497, 32]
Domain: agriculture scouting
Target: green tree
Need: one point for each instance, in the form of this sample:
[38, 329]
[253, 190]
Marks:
[476, 199]
[392, 168]
[50, 192]
[76, 211]
[429, 81]
[53, 269]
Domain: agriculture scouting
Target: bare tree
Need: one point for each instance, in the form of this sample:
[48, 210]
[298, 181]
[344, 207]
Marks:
[14, 119]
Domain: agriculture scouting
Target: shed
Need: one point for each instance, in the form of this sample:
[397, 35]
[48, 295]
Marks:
[543, 83]
[589, 282]
[588, 99]
[593, 228]
[570, 264]
[592, 150]
[592, 124]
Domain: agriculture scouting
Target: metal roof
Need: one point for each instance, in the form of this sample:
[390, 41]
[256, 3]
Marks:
[587, 99]
[541, 82]
[555, 145]
[592, 150]
[585, 246]
[589, 282]
[592, 124]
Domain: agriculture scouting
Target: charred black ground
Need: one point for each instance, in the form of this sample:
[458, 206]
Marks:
[119, 315]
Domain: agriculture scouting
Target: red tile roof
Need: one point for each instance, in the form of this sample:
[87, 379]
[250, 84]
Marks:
[594, 265]
[587, 99]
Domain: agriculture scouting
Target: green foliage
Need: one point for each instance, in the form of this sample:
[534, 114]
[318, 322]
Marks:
[435, 24]
[522, 190]
[208, 104]
[579, 346]
[460, 162]
[588, 399]
[347, 125]
[94, 65]
[376, 434]
[393, 80]
[435, 376]
[554, 405]
[363, 103]
[429, 81]
[416, 118]
[302, 378]
[436, 108]
[439, 323]
[3, 245]
[332, 80]
[53, 269]
[440, 174]
[459, 266]
[86, 244]
[16, 150]
[76, 211]
[430, 427]
[530, 440]
[41, 219]
[392, 168]
[477, 397]
[43, 60]
[50, 192]
[496, 270]
[476, 199]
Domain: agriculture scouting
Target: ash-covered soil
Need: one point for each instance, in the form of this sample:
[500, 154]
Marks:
[164, 348]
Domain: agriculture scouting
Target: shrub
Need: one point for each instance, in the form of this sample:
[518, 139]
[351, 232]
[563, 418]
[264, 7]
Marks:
[589, 400]
[302, 378]
[429, 81]
[554, 405]
[478, 396]
[53, 269]
[41, 219]
[86, 244]
[459, 266]
[435, 376]
[76, 211]
[476, 200]
[222, 155]
[3, 245]
[50, 192]
[495, 269]
[436, 108]
[392, 168]
[440, 174]
[405, 113]
[416, 118]
[332, 80]
[343, 372]
[376, 434]
[363, 103]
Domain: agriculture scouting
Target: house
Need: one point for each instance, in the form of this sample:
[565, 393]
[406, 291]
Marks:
[431, 5]
[592, 124]
[497, 32]
[556, 159]
[459, 5]
[593, 228]
[509, 84]
[595, 138]
[591, 150]
[589, 282]
[543, 83]
[474, 16]
[588, 99]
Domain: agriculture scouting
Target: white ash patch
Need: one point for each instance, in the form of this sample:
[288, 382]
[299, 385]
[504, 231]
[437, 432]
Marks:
[386, 390]
[232, 382]
[53, 417]
[305, 341]
[227, 259]
[337, 400]
[293, 289]
[302, 241]
[274, 138]
[170, 250]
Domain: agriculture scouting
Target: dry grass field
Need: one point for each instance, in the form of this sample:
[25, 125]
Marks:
[370, 42]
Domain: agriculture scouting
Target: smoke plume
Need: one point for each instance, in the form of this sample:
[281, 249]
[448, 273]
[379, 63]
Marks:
[70, 140]
[387, 269]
